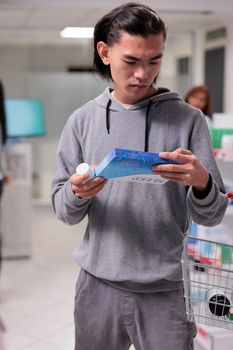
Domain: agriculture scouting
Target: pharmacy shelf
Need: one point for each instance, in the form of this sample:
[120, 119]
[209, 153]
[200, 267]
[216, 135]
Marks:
[222, 155]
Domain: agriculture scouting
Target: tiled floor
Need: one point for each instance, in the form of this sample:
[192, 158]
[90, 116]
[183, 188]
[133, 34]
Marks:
[37, 294]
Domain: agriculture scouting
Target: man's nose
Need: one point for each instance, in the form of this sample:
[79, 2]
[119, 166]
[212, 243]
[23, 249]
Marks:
[141, 72]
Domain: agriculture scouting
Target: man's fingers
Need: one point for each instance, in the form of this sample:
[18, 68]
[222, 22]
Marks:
[86, 192]
[169, 169]
[78, 179]
[86, 185]
[180, 154]
[183, 151]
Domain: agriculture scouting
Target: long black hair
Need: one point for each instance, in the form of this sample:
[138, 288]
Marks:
[133, 18]
[2, 115]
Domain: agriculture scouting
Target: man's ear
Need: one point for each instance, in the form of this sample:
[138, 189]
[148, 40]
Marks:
[103, 52]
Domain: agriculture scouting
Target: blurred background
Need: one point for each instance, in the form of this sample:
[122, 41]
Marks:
[35, 62]
[45, 78]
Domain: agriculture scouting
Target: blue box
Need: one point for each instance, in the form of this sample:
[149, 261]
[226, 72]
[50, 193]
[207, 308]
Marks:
[130, 165]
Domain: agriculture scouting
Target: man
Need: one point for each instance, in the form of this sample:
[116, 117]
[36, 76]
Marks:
[130, 288]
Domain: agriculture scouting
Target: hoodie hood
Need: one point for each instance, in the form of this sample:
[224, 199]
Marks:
[106, 101]
[162, 94]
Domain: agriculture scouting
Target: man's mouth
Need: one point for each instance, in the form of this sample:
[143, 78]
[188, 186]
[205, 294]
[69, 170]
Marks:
[139, 85]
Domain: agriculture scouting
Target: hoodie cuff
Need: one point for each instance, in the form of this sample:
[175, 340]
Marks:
[207, 196]
[70, 196]
[203, 194]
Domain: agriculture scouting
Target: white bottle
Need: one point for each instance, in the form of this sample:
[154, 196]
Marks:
[85, 168]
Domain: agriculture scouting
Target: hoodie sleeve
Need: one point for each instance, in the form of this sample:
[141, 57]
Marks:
[208, 211]
[68, 208]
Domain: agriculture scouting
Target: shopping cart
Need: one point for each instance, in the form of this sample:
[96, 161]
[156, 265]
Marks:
[208, 282]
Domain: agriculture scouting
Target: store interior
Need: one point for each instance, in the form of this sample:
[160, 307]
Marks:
[53, 76]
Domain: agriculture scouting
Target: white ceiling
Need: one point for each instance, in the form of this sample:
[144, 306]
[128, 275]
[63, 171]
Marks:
[40, 21]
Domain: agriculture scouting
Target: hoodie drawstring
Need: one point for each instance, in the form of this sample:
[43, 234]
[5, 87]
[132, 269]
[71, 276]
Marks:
[147, 122]
[147, 127]
[108, 116]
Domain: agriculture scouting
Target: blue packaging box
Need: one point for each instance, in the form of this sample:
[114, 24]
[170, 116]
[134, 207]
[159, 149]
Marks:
[130, 165]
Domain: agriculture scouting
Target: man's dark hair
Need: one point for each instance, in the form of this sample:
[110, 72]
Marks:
[132, 18]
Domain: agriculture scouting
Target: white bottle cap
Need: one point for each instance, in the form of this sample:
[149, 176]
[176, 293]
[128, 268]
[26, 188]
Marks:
[84, 168]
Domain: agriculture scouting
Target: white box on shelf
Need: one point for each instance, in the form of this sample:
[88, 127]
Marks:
[222, 120]
[19, 162]
[16, 202]
[213, 338]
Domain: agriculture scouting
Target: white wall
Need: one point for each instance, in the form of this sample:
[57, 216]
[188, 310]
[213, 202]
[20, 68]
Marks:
[44, 58]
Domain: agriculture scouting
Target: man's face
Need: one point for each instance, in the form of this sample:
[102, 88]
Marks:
[135, 62]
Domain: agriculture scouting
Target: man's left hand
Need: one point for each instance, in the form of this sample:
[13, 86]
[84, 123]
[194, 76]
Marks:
[190, 171]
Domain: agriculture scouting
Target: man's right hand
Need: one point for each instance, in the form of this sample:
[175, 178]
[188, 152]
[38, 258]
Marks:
[84, 188]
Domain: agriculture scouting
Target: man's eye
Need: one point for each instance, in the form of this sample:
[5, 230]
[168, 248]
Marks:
[154, 62]
[130, 62]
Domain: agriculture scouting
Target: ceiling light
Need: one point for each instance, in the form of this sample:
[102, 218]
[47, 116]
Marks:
[77, 32]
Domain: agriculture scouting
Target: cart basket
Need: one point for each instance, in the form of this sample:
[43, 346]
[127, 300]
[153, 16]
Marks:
[208, 282]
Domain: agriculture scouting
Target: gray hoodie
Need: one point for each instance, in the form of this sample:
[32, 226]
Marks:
[135, 231]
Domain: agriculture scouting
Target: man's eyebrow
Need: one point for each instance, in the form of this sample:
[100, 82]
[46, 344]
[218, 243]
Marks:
[129, 57]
